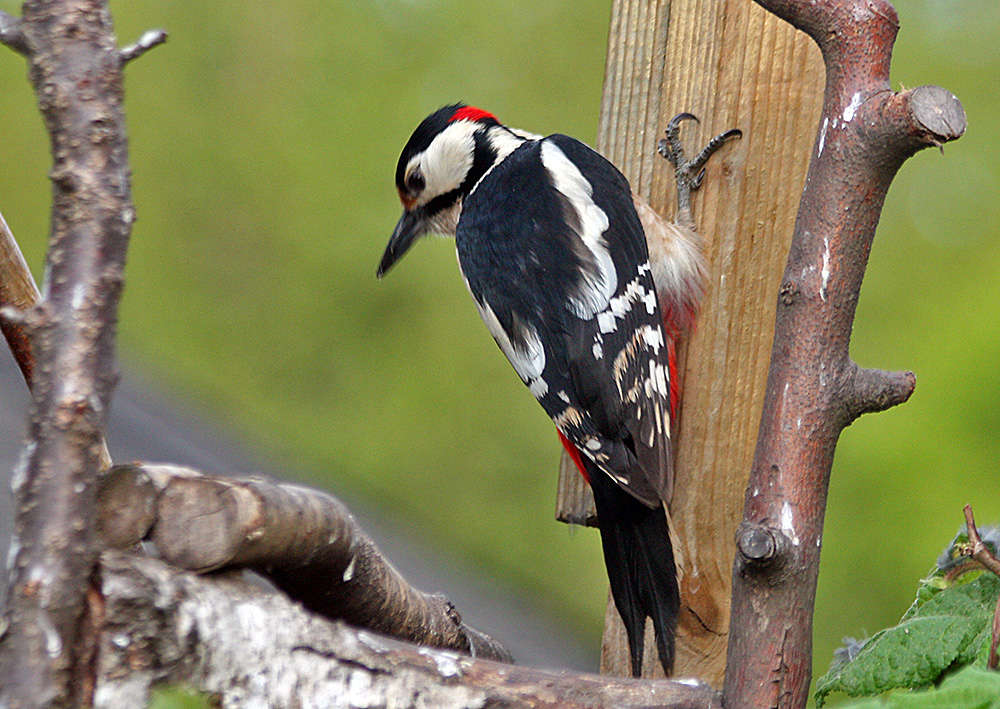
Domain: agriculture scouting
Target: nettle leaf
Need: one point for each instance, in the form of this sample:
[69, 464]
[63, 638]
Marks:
[971, 688]
[943, 630]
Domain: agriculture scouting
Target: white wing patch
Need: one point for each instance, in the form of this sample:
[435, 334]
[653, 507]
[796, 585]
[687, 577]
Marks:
[618, 307]
[528, 359]
[597, 289]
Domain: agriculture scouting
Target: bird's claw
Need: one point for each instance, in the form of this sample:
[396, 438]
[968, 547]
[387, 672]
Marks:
[670, 147]
[689, 174]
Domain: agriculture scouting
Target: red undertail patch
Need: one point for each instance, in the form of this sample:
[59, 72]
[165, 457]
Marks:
[574, 454]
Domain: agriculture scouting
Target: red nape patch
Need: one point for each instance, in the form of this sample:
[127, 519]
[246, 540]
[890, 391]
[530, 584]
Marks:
[574, 454]
[470, 113]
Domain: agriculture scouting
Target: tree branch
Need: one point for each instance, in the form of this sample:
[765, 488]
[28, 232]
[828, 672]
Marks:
[45, 653]
[814, 390]
[977, 549]
[223, 636]
[303, 540]
[149, 39]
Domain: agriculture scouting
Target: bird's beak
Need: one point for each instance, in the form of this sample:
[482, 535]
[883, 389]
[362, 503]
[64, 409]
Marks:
[411, 227]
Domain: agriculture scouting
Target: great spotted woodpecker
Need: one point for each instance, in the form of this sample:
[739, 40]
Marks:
[584, 288]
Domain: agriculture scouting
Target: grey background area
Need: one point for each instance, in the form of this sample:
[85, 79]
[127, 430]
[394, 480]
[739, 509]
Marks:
[146, 425]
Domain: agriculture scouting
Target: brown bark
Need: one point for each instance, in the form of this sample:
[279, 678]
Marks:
[734, 66]
[814, 389]
[303, 540]
[246, 646]
[75, 69]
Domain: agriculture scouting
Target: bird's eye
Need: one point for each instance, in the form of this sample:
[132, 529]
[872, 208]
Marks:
[415, 182]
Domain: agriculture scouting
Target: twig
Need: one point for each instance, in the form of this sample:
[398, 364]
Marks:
[149, 39]
[977, 550]
[814, 389]
[12, 34]
[305, 541]
[981, 553]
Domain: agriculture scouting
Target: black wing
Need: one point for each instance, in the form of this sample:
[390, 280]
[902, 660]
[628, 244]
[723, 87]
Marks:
[555, 257]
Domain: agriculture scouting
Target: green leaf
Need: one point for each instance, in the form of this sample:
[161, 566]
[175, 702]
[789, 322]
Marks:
[971, 688]
[945, 629]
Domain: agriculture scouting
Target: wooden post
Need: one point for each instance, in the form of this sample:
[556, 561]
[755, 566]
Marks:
[734, 66]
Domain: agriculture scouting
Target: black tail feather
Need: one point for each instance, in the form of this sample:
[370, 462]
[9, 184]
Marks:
[640, 563]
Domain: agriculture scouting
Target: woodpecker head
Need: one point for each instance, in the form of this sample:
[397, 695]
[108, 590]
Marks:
[443, 160]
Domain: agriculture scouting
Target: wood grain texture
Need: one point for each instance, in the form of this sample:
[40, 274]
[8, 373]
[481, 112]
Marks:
[734, 66]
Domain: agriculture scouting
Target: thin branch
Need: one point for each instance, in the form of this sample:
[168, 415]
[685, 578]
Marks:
[149, 39]
[977, 549]
[303, 540]
[12, 34]
[981, 553]
[814, 390]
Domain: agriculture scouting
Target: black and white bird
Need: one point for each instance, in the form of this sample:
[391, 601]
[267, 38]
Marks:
[584, 288]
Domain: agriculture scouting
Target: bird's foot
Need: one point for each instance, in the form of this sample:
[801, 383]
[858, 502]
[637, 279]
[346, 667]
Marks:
[689, 173]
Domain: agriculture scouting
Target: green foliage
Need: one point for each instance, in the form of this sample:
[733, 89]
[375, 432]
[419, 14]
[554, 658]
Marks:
[948, 626]
[971, 688]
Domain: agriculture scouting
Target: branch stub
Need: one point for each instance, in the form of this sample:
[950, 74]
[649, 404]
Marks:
[939, 112]
[761, 546]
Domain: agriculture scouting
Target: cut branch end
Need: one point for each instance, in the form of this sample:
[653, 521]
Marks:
[937, 114]
[762, 547]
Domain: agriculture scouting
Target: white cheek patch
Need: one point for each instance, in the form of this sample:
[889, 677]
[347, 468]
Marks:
[446, 161]
[596, 290]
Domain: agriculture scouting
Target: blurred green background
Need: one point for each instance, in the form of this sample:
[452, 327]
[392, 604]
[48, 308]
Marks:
[263, 145]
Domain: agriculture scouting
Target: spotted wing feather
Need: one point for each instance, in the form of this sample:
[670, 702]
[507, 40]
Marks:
[598, 364]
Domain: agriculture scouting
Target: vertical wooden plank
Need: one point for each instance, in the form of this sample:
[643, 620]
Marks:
[733, 65]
